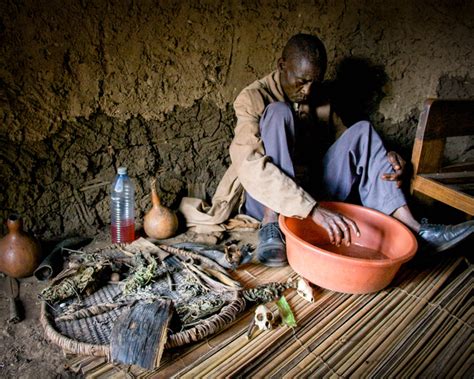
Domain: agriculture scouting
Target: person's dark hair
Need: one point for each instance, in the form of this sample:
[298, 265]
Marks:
[306, 46]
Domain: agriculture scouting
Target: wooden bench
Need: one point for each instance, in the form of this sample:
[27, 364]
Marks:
[454, 184]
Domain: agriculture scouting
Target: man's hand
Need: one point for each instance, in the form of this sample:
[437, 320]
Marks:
[305, 113]
[338, 226]
[398, 165]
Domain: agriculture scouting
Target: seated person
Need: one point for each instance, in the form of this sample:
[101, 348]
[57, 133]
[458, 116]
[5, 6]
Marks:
[280, 139]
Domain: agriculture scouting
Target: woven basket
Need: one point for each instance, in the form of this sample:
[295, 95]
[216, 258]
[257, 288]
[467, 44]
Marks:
[89, 335]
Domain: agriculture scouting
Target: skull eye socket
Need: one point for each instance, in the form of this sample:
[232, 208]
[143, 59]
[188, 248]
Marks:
[269, 316]
[259, 317]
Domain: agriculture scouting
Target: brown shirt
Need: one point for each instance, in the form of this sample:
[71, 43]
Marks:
[251, 168]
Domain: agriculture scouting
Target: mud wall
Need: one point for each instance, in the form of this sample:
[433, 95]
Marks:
[86, 86]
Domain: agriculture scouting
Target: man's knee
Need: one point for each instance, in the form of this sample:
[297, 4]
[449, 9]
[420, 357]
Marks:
[277, 121]
[360, 128]
[278, 109]
[361, 133]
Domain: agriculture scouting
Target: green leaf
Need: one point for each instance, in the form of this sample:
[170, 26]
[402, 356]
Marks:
[287, 317]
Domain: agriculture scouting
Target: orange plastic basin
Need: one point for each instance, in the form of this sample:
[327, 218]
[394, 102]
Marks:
[368, 265]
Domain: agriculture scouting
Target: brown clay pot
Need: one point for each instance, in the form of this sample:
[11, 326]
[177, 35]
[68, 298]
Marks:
[20, 254]
[160, 222]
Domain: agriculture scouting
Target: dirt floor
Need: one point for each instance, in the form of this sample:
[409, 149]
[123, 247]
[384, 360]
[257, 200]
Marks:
[24, 350]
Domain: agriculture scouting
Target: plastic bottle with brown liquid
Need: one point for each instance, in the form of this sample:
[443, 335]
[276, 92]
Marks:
[122, 208]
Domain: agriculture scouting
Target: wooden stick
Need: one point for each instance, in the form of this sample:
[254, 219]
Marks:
[376, 332]
[464, 359]
[93, 186]
[250, 328]
[326, 351]
[400, 352]
[406, 312]
[267, 339]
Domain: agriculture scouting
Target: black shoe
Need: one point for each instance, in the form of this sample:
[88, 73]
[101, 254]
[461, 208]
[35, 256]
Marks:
[437, 238]
[271, 250]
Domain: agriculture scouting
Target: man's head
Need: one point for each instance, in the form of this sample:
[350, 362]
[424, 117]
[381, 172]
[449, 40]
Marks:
[302, 64]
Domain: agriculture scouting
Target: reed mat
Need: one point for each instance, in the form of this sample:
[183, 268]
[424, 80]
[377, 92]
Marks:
[421, 325]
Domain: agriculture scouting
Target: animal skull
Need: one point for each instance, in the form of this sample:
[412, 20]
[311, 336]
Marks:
[263, 318]
[305, 290]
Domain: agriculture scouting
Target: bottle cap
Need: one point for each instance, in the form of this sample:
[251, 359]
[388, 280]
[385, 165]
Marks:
[122, 170]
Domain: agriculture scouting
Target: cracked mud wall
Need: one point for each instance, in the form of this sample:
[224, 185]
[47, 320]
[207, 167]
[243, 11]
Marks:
[86, 86]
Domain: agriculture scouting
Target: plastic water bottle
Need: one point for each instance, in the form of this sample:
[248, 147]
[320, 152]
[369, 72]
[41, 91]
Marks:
[122, 208]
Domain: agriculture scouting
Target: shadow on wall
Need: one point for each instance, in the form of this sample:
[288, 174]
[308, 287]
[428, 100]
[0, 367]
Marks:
[357, 89]
[360, 85]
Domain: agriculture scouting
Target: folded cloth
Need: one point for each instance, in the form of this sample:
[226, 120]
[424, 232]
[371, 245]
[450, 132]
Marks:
[200, 221]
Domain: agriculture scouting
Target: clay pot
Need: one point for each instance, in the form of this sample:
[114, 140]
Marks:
[160, 222]
[20, 254]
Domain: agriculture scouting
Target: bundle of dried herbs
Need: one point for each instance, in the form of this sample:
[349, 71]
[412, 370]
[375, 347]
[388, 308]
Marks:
[84, 278]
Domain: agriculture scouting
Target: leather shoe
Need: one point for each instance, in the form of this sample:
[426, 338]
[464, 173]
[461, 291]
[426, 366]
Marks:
[271, 250]
[437, 238]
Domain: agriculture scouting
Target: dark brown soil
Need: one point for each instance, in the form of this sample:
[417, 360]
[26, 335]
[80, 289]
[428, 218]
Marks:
[24, 351]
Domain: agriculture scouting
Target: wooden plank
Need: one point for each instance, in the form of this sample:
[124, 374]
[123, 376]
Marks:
[466, 188]
[439, 120]
[458, 167]
[139, 335]
[427, 156]
[446, 195]
[451, 177]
